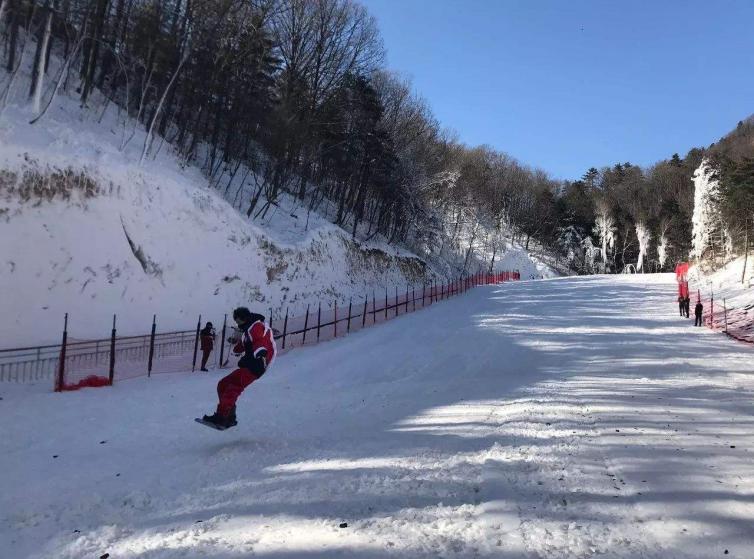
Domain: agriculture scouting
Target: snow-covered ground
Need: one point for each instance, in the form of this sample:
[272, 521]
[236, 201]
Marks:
[731, 299]
[559, 418]
[726, 283]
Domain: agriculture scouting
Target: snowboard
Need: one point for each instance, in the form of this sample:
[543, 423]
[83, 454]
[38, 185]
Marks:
[210, 424]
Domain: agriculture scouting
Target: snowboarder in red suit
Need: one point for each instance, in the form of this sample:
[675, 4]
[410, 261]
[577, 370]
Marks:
[207, 341]
[257, 344]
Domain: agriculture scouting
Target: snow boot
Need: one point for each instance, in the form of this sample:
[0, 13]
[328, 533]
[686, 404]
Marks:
[220, 420]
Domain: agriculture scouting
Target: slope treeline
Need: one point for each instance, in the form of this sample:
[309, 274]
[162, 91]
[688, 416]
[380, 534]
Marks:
[293, 96]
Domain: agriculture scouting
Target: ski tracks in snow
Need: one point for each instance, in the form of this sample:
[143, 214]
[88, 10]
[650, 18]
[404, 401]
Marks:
[553, 468]
[568, 430]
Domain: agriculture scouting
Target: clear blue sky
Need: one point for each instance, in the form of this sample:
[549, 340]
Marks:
[569, 84]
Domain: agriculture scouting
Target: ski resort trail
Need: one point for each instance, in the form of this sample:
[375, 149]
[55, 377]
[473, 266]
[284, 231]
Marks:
[550, 419]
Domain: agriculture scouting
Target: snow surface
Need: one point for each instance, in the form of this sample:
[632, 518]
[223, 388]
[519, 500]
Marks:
[561, 418]
[726, 283]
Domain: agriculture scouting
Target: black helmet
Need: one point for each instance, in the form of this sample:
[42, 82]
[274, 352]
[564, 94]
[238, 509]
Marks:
[209, 325]
[242, 313]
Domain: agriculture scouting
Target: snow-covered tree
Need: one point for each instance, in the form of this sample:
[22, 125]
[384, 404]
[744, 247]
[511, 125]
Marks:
[591, 253]
[644, 237]
[664, 243]
[604, 228]
[709, 235]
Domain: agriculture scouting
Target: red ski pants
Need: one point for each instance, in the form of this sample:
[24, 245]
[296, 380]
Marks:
[230, 388]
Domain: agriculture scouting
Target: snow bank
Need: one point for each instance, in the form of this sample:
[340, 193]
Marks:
[726, 283]
[153, 239]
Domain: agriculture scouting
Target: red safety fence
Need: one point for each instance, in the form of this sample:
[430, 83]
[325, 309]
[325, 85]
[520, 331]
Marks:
[78, 363]
[734, 322]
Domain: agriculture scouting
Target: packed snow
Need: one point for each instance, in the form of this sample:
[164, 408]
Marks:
[561, 418]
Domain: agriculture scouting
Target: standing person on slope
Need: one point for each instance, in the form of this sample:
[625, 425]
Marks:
[257, 343]
[207, 341]
[698, 310]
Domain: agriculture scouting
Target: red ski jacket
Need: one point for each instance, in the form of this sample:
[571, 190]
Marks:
[257, 343]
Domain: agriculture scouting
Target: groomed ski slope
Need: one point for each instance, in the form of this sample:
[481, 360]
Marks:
[558, 418]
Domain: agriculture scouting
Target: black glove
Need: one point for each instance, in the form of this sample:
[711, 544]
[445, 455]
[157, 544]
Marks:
[262, 356]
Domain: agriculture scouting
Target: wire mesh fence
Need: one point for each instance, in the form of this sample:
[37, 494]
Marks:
[75, 363]
[734, 322]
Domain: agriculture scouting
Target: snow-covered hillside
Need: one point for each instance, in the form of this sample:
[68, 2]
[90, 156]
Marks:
[728, 290]
[115, 237]
[551, 423]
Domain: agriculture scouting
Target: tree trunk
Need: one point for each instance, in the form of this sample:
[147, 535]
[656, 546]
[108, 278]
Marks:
[3, 4]
[13, 24]
[746, 249]
[148, 139]
[58, 83]
[41, 63]
[93, 54]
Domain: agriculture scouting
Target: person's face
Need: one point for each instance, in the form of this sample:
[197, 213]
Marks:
[238, 321]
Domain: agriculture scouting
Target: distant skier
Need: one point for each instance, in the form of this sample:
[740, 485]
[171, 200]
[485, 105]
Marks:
[681, 304]
[698, 313]
[257, 343]
[686, 306]
[207, 341]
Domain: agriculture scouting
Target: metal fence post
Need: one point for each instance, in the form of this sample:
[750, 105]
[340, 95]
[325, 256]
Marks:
[285, 326]
[348, 324]
[111, 375]
[335, 319]
[374, 307]
[306, 324]
[222, 340]
[386, 302]
[61, 365]
[319, 319]
[396, 301]
[151, 345]
[364, 317]
[196, 342]
[413, 298]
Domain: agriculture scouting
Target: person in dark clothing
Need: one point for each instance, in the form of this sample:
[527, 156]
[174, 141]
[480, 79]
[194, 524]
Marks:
[681, 304]
[686, 306]
[207, 341]
[257, 344]
[698, 314]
